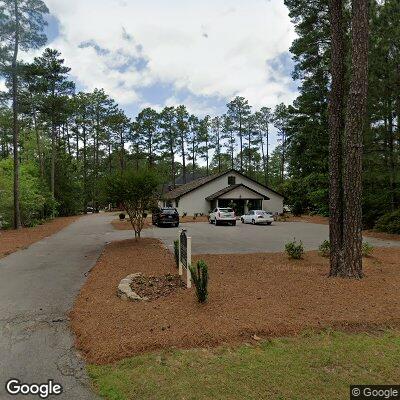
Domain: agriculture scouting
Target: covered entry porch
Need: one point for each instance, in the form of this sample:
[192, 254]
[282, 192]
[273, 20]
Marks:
[239, 197]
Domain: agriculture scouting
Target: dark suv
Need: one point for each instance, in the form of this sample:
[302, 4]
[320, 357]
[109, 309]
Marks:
[165, 216]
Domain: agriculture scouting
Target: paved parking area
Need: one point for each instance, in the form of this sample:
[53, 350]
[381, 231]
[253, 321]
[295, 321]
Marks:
[246, 238]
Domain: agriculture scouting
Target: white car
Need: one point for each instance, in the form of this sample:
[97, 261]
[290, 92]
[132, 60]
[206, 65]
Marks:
[257, 217]
[222, 216]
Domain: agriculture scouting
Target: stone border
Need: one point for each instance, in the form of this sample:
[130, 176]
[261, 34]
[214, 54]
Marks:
[124, 289]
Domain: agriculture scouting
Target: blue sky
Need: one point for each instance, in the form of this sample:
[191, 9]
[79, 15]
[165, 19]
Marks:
[159, 53]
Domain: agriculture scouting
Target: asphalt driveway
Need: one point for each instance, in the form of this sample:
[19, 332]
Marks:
[37, 289]
[246, 238]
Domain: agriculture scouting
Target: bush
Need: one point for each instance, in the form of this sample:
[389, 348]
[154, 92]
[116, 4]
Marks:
[366, 249]
[294, 250]
[36, 202]
[389, 223]
[122, 216]
[200, 280]
[325, 248]
[176, 252]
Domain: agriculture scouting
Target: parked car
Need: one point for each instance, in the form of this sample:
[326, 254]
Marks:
[222, 216]
[165, 216]
[257, 217]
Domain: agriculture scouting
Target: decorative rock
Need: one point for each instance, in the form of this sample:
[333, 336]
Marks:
[124, 289]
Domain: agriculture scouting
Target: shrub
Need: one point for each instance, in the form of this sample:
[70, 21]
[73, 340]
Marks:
[294, 250]
[176, 252]
[36, 202]
[366, 249]
[122, 216]
[389, 222]
[200, 279]
[325, 248]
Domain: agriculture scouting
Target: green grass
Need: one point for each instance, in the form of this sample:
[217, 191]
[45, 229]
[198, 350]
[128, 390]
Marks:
[308, 367]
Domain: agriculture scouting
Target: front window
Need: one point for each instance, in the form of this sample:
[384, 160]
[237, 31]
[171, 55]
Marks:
[231, 180]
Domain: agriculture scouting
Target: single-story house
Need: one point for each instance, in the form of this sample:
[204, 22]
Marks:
[226, 189]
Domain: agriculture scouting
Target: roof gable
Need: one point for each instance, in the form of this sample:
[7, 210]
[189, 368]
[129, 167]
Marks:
[230, 188]
[189, 187]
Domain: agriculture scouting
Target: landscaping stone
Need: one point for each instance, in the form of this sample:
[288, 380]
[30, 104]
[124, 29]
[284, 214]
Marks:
[124, 289]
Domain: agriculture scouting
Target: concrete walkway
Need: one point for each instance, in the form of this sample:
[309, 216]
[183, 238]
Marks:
[37, 289]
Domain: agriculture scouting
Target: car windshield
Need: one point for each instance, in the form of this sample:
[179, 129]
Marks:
[226, 210]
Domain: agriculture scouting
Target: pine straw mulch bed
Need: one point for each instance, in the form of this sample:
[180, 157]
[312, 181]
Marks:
[381, 235]
[251, 296]
[14, 240]
[312, 219]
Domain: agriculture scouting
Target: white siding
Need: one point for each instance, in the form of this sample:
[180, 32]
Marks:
[195, 201]
[240, 193]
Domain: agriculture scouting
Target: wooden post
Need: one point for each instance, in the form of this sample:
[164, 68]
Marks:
[179, 246]
[189, 263]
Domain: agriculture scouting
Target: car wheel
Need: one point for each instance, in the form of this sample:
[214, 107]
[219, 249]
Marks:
[242, 220]
[269, 223]
[216, 222]
[253, 221]
[234, 223]
[177, 225]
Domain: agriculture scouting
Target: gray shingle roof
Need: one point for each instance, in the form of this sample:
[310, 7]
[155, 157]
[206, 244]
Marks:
[188, 187]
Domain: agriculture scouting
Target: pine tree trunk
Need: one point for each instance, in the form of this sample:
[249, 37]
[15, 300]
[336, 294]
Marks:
[53, 158]
[353, 136]
[283, 157]
[183, 157]
[336, 128]
[241, 145]
[38, 146]
[263, 159]
[267, 174]
[85, 196]
[392, 170]
[17, 213]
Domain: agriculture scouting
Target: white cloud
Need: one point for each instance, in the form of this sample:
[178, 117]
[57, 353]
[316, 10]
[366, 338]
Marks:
[208, 48]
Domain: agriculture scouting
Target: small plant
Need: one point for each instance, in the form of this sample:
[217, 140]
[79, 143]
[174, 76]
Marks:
[389, 223]
[366, 249]
[121, 216]
[200, 279]
[194, 217]
[325, 248]
[176, 252]
[283, 218]
[294, 250]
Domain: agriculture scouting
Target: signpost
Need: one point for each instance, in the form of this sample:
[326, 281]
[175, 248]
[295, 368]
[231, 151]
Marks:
[185, 256]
